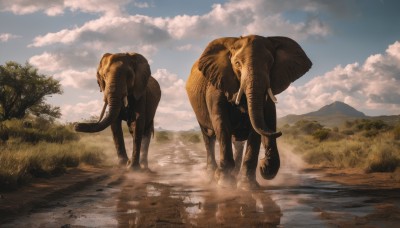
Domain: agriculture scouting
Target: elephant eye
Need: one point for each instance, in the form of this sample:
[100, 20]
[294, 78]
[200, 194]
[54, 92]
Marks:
[237, 64]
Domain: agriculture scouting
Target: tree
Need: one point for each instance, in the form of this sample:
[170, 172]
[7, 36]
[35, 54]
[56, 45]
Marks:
[23, 91]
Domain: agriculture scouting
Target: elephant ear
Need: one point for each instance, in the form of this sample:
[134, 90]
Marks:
[103, 65]
[290, 62]
[140, 75]
[216, 66]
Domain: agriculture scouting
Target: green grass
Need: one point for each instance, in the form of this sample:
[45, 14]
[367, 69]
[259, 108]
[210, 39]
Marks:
[163, 136]
[370, 145]
[40, 149]
[37, 130]
[190, 136]
[19, 163]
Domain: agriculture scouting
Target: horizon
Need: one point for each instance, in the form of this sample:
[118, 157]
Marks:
[354, 47]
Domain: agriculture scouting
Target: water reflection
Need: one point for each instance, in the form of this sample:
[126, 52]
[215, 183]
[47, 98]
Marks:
[154, 204]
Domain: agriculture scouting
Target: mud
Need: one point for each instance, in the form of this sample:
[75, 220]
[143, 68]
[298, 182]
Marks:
[178, 194]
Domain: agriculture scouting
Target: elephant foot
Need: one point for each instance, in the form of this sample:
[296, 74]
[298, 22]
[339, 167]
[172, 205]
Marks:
[144, 165]
[235, 171]
[133, 166]
[123, 161]
[147, 170]
[225, 180]
[210, 172]
[268, 170]
[248, 184]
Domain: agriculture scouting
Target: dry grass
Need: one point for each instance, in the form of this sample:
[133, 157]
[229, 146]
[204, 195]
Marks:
[19, 163]
[36, 148]
[372, 145]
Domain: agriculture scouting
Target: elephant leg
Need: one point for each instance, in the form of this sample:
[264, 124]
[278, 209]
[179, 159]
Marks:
[144, 149]
[137, 134]
[119, 143]
[238, 156]
[219, 119]
[209, 142]
[247, 179]
[269, 165]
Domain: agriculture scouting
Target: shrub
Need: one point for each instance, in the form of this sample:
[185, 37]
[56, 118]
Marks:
[348, 132]
[39, 130]
[308, 127]
[365, 124]
[163, 136]
[383, 158]
[370, 133]
[4, 132]
[396, 132]
[190, 136]
[321, 134]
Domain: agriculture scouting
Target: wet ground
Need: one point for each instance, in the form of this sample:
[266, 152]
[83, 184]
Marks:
[177, 194]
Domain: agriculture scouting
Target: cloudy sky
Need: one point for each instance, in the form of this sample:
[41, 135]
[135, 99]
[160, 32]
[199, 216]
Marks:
[354, 46]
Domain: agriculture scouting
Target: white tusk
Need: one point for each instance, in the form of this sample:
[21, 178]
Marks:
[126, 101]
[103, 111]
[239, 96]
[270, 94]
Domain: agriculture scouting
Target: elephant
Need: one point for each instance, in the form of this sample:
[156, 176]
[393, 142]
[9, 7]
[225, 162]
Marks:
[232, 88]
[132, 94]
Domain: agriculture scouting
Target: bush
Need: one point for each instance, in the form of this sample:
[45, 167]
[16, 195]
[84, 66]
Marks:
[190, 136]
[163, 136]
[396, 132]
[365, 124]
[383, 158]
[321, 134]
[4, 132]
[348, 132]
[370, 133]
[308, 127]
[39, 130]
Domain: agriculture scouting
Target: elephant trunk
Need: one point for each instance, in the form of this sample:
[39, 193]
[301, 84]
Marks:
[255, 93]
[114, 100]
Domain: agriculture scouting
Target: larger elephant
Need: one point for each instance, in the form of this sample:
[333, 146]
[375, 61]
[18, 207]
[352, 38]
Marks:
[232, 88]
[132, 94]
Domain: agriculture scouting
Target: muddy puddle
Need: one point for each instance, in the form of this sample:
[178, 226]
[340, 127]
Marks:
[177, 194]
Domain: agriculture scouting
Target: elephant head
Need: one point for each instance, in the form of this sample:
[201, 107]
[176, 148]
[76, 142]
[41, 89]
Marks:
[118, 75]
[256, 66]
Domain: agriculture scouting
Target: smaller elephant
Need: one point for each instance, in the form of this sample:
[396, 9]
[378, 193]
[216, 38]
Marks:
[132, 94]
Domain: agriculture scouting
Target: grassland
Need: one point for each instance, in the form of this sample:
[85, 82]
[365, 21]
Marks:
[371, 145]
[40, 149]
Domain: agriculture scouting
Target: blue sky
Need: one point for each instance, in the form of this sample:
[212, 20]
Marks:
[354, 46]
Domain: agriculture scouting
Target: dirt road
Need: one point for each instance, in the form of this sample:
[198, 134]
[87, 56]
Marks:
[177, 194]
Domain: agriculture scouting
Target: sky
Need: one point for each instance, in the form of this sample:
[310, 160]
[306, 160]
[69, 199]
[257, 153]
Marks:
[354, 46]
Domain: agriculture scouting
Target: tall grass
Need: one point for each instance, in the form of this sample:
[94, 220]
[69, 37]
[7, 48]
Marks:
[38, 148]
[20, 163]
[370, 145]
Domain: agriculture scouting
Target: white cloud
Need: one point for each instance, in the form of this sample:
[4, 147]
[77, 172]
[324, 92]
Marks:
[57, 7]
[4, 37]
[232, 18]
[174, 111]
[78, 79]
[141, 4]
[77, 58]
[81, 111]
[373, 87]
[109, 32]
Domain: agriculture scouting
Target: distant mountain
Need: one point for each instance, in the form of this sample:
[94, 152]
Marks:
[330, 115]
[337, 108]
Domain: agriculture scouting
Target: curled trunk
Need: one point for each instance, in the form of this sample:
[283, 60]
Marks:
[115, 105]
[255, 93]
